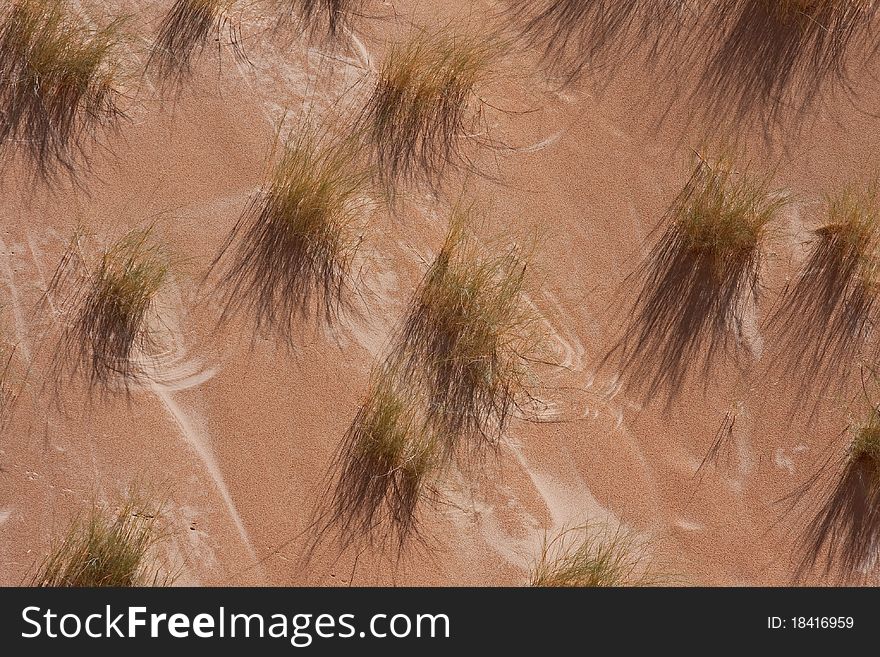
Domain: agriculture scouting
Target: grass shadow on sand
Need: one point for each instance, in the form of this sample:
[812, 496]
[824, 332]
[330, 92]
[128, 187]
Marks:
[183, 34]
[841, 540]
[575, 37]
[59, 86]
[316, 17]
[776, 56]
[828, 314]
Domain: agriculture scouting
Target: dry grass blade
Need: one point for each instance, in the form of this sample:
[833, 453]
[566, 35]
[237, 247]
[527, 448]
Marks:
[104, 549]
[184, 32]
[59, 81]
[110, 306]
[291, 252]
[591, 555]
[421, 111]
[702, 275]
[468, 336]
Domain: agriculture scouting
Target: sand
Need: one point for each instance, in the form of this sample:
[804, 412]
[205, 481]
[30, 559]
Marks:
[236, 433]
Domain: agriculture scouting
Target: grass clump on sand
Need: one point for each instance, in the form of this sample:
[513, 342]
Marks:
[590, 556]
[721, 218]
[468, 335]
[848, 241]
[702, 275]
[827, 314]
[111, 306]
[334, 15]
[388, 456]
[58, 85]
[455, 375]
[183, 33]
[294, 245]
[104, 549]
[844, 534]
[865, 446]
[421, 110]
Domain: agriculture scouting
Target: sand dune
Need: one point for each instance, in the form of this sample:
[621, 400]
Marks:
[237, 431]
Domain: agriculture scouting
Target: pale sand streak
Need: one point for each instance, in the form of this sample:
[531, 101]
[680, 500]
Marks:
[200, 445]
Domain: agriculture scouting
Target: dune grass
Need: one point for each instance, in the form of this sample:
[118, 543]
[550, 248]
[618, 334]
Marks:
[110, 306]
[865, 446]
[331, 16]
[721, 218]
[291, 251]
[844, 532]
[848, 242]
[184, 32]
[105, 548]
[591, 555]
[826, 315]
[422, 109]
[449, 387]
[701, 276]
[59, 83]
[468, 335]
[388, 456]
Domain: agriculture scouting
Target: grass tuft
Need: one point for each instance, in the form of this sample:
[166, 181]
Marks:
[828, 312]
[454, 377]
[104, 549]
[467, 335]
[845, 531]
[865, 447]
[721, 218]
[591, 556]
[293, 247]
[59, 82]
[702, 275]
[388, 456]
[184, 32]
[421, 111]
[110, 306]
[851, 236]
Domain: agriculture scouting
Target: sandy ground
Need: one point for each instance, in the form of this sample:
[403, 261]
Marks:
[237, 434]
